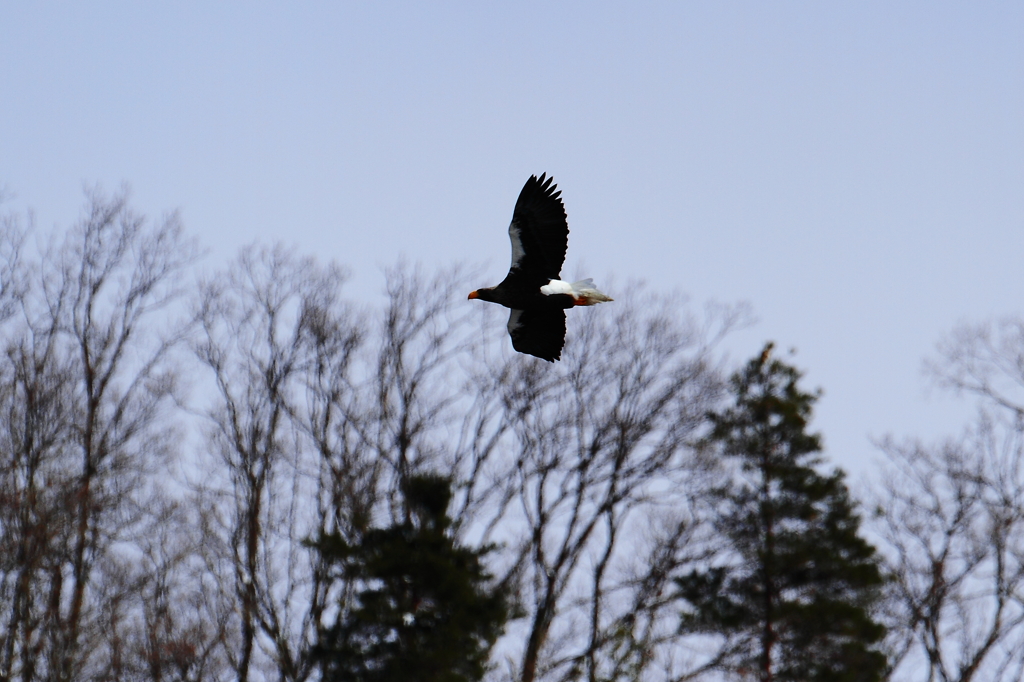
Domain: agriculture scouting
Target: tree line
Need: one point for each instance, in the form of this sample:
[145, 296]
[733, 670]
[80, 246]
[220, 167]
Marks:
[244, 475]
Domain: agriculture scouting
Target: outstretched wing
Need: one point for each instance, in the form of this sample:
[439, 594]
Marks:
[539, 332]
[539, 233]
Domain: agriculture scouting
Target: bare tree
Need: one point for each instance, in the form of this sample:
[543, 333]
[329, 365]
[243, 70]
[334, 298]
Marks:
[12, 270]
[279, 341]
[984, 360]
[314, 430]
[951, 517]
[316, 415]
[581, 471]
[87, 381]
[596, 509]
[155, 619]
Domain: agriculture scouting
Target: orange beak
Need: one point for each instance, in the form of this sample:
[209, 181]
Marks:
[472, 295]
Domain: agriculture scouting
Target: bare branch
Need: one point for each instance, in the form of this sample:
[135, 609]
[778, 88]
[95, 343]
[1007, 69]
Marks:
[952, 521]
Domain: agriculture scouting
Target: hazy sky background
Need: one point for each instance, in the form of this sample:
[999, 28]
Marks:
[853, 170]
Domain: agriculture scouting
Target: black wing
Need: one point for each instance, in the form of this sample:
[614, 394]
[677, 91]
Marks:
[539, 332]
[539, 233]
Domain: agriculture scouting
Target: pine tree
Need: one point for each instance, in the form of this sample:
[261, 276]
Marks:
[423, 610]
[794, 600]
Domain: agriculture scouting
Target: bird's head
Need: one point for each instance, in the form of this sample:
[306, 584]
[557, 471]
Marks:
[484, 294]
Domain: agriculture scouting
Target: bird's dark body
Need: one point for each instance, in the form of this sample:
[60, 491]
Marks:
[539, 233]
[518, 299]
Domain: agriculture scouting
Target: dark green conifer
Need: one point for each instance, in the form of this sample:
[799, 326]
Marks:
[423, 611]
[794, 599]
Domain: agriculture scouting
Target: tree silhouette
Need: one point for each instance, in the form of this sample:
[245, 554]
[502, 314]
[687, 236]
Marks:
[424, 611]
[793, 598]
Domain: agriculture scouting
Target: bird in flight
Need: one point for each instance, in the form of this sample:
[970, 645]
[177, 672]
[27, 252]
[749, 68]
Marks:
[532, 289]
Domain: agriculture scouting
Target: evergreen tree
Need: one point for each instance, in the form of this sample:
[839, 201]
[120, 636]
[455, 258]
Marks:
[422, 611]
[794, 599]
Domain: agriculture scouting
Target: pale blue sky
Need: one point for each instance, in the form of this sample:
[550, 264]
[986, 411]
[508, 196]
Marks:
[853, 170]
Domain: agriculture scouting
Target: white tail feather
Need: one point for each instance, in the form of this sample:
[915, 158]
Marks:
[583, 292]
[586, 293]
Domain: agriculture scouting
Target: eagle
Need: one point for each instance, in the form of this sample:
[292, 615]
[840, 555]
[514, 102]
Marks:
[533, 289]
